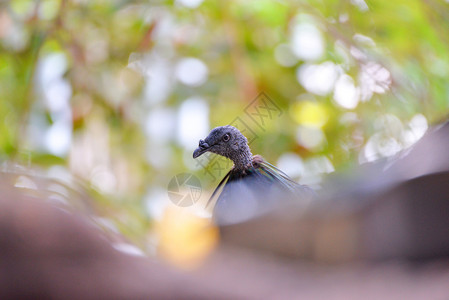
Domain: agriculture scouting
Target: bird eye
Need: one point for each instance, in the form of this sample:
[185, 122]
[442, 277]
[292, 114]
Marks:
[226, 137]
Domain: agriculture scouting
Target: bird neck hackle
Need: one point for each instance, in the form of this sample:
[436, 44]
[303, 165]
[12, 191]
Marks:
[243, 159]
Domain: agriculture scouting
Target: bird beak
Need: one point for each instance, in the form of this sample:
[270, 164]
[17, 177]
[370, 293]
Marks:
[198, 151]
[203, 147]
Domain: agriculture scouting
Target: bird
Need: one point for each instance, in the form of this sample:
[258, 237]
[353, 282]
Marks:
[253, 186]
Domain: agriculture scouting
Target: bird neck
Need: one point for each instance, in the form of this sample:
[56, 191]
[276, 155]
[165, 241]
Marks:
[243, 160]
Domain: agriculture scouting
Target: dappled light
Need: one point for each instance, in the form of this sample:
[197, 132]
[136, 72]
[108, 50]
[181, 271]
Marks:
[119, 94]
[103, 103]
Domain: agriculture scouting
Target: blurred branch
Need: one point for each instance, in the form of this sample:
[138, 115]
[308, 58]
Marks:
[242, 72]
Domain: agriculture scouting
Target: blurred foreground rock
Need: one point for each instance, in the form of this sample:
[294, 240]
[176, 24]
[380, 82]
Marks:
[48, 253]
[392, 209]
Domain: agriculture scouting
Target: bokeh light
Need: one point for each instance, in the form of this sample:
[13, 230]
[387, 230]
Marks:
[116, 94]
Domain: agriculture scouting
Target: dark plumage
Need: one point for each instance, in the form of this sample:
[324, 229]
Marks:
[253, 186]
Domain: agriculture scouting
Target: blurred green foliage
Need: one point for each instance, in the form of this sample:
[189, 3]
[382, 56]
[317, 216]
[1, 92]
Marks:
[94, 72]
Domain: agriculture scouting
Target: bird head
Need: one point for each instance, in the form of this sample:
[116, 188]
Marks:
[226, 141]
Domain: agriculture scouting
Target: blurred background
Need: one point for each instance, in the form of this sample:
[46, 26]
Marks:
[114, 95]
